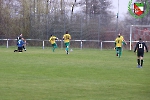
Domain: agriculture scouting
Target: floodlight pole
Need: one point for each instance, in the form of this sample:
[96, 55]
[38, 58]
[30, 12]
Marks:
[117, 18]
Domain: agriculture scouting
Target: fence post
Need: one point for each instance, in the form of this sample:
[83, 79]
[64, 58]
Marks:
[131, 37]
[7, 43]
[101, 45]
[43, 44]
[81, 44]
[61, 44]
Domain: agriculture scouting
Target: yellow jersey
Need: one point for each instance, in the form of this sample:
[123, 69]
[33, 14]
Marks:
[119, 41]
[66, 38]
[122, 37]
[52, 39]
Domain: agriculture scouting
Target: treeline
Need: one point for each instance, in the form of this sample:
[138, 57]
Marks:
[84, 19]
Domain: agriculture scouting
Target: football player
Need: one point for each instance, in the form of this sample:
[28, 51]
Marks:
[140, 46]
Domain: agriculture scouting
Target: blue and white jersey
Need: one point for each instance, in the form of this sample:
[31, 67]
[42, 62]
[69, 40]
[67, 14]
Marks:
[20, 43]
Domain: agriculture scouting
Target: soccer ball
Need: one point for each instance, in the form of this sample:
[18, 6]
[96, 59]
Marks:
[71, 49]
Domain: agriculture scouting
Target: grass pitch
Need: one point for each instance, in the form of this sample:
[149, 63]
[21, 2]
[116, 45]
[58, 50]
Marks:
[88, 74]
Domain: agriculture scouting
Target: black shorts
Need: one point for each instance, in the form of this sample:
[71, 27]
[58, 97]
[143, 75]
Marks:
[20, 49]
[140, 54]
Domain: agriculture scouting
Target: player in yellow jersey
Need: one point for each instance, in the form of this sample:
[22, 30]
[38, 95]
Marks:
[53, 42]
[67, 38]
[118, 45]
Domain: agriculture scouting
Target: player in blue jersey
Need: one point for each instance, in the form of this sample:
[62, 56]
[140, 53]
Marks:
[20, 36]
[20, 44]
[140, 46]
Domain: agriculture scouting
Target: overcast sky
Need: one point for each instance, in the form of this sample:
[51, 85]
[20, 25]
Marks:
[123, 6]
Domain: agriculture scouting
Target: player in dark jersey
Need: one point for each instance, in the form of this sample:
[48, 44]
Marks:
[140, 46]
[20, 36]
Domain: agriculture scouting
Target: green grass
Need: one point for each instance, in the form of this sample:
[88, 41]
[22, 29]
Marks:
[88, 74]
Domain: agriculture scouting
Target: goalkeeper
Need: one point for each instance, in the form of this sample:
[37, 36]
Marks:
[53, 42]
[118, 45]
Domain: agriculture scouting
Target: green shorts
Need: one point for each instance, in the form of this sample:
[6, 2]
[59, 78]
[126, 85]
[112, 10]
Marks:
[119, 49]
[54, 44]
[67, 44]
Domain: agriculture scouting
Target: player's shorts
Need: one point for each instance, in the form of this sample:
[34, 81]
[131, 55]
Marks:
[67, 44]
[54, 44]
[140, 54]
[20, 49]
[118, 48]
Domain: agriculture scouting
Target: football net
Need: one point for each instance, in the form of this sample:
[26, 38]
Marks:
[139, 31]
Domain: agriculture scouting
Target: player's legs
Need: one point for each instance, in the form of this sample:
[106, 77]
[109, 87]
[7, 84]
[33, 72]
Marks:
[117, 51]
[20, 49]
[67, 47]
[24, 48]
[15, 50]
[120, 51]
[54, 47]
[140, 59]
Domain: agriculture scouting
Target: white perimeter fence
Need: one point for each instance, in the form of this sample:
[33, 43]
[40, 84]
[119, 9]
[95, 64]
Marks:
[131, 44]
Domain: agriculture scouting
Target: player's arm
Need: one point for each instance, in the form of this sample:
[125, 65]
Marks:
[146, 47]
[56, 38]
[136, 47]
[124, 43]
[63, 37]
[50, 39]
[22, 42]
[115, 44]
[124, 40]
[23, 39]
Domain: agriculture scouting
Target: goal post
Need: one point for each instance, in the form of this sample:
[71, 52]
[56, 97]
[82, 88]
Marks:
[139, 31]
